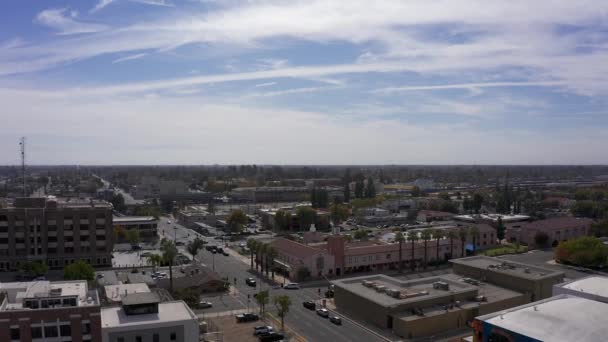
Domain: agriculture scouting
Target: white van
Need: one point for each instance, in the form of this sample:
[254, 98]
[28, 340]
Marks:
[292, 286]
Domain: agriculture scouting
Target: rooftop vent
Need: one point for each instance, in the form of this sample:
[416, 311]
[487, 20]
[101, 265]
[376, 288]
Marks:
[441, 285]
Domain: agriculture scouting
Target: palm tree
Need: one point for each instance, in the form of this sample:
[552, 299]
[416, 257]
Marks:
[282, 303]
[438, 234]
[462, 235]
[169, 253]
[266, 257]
[412, 237]
[400, 238]
[474, 233]
[155, 260]
[272, 254]
[426, 236]
[262, 251]
[451, 235]
[251, 245]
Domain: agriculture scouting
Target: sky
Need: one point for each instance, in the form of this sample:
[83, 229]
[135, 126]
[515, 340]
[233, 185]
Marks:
[304, 82]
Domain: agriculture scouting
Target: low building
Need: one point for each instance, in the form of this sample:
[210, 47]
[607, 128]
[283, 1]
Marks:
[271, 194]
[433, 215]
[49, 311]
[592, 287]
[557, 229]
[115, 293]
[141, 317]
[420, 307]
[196, 277]
[536, 281]
[145, 225]
[562, 318]
[193, 214]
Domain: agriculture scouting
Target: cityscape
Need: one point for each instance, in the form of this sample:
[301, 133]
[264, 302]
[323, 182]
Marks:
[269, 170]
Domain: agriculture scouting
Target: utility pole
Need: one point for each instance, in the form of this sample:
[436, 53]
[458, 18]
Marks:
[22, 144]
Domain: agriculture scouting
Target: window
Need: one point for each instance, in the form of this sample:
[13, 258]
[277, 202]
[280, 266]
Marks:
[388, 256]
[155, 338]
[100, 237]
[36, 332]
[173, 336]
[50, 331]
[65, 330]
[138, 339]
[120, 339]
[15, 334]
[84, 238]
[86, 328]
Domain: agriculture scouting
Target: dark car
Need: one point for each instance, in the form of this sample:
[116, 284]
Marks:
[205, 305]
[250, 281]
[220, 250]
[180, 243]
[309, 304]
[225, 253]
[273, 336]
[335, 320]
[247, 317]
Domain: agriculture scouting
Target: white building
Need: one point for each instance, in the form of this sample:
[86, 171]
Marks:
[143, 318]
[593, 287]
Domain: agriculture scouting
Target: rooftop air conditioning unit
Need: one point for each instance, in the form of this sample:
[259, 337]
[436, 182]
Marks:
[380, 288]
[441, 285]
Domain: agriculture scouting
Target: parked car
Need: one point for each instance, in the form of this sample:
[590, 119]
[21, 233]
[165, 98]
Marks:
[262, 330]
[220, 250]
[146, 254]
[335, 320]
[251, 282]
[225, 253]
[180, 243]
[247, 317]
[205, 305]
[273, 336]
[323, 312]
[292, 286]
[169, 221]
[309, 304]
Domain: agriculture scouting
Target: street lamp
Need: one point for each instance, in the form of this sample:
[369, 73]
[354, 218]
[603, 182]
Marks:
[175, 234]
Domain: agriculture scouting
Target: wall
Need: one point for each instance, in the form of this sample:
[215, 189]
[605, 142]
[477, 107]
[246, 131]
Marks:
[164, 334]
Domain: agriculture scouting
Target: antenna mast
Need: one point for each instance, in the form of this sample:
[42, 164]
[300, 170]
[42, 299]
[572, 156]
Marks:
[22, 144]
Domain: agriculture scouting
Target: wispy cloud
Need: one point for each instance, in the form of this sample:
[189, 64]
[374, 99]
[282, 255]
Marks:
[470, 86]
[265, 84]
[101, 4]
[129, 58]
[64, 21]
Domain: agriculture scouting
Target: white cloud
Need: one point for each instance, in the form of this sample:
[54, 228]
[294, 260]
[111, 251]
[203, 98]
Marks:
[64, 21]
[470, 86]
[265, 84]
[129, 58]
[101, 4]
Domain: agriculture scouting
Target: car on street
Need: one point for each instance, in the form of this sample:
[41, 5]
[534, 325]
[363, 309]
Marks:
[225, 253]
[309, 304]
[273, 336]
[247, 317]
[323, 312]
[250, 281]
[292, 286]
[262, 330]
[205, 305]
[168, 221]
[146, 254]
[220, 250]
[180, 243]
[242, 244]
[335, 320]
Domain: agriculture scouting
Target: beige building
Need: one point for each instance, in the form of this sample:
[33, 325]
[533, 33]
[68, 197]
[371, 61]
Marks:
[558, 229]
[428, 306]
[56, 233]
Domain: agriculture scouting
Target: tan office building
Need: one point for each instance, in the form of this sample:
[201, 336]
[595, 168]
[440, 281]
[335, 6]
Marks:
[56, 233]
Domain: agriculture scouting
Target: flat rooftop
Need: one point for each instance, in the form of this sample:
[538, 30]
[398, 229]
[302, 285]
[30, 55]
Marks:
[509, 267]
[133, 219]
[115, 293]
[561, 318]
[112, 317]
[18, 291]
[410, 290]
[596, 285]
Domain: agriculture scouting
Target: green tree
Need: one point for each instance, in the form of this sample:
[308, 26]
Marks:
[438, 234]
[133, 236]
[370, 190]
[426, 237]
[34, 268]
[359, 187]
[463, 233]
[400, 239]
[79, 270]
[452, 235]
[306, 216]
[584, 251]
[272, 254]
[118, 202]
[282, 303]
[262, 298]
[281, 219]
[169, 253]
[412, 237]
[252, 246]
[347, 179]
[194, 246]
[360, 234]
[155, 260]
[236, 220]
[211, 208]
[474, 234]
[500, 229]
[416, 192]
[338, 213]
[444, 196]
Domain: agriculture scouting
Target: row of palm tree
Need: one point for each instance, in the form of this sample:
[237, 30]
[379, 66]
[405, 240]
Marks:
[437, 234]
[264, 256]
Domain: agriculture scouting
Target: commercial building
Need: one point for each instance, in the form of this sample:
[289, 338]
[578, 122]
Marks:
[193, 214]
[56, 233]
[562, 318]
[428, 306]
[64, 311]
[271, 194]
[592, 287]
[146, 225]
[115, 293]
[433, 215]
[557, 229]
[142, 317]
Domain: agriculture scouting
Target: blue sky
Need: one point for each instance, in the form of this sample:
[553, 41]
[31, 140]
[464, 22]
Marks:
[304, 82]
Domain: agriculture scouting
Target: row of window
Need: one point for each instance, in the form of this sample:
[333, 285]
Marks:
[155, 338]
[50, 330]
